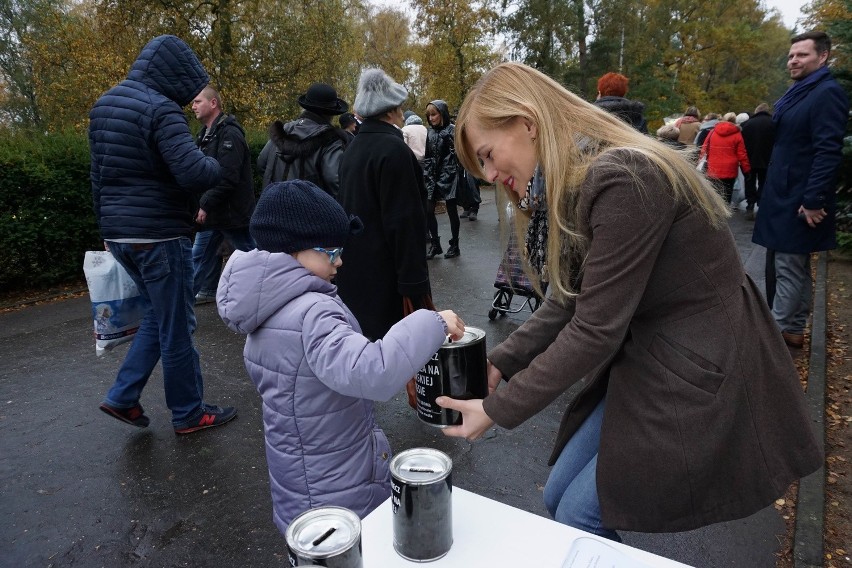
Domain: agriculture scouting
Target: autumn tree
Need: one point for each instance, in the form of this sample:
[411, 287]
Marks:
[725, 55]
[835, 18]
[612, 23]
[456, 47]
[58, 56]
[260, 55]
[21, 21]
[540, 34]
[74, 64]
[384, 41]
[387, 43]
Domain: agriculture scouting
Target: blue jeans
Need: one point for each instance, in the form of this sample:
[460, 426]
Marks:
[791, 303]
[205, 257]
[571, 493]
[163, 273]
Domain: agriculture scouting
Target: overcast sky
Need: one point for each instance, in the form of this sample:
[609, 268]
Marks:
[790, 10]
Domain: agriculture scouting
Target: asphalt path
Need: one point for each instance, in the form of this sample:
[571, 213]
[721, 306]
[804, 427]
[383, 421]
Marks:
[78, 488]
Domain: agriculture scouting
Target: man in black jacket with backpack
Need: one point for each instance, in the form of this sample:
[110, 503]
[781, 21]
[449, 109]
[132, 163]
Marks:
[309, 148]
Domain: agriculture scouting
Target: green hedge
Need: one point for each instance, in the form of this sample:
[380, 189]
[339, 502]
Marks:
[46, 218]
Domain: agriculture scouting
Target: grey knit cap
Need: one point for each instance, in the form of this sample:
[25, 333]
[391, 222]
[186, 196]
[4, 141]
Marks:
[377, 93]
[413, 119]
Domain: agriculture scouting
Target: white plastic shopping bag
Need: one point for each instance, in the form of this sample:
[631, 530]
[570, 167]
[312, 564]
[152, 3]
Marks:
[117, 307]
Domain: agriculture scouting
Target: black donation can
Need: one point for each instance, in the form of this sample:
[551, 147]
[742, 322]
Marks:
[458, 370]
[422, 505]
[325, 536]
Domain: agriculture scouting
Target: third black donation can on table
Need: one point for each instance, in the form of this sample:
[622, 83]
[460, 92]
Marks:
[422, 505]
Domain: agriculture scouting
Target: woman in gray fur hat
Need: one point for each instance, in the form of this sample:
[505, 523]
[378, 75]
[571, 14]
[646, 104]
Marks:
[380, 182]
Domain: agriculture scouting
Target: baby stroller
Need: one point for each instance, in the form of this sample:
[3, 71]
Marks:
[512, 280]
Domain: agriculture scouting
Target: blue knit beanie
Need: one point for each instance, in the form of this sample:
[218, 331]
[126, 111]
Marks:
[296, 215]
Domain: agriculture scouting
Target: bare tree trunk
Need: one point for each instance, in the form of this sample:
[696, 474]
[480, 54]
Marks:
[582, 32]
[461, 73]
[222, 31]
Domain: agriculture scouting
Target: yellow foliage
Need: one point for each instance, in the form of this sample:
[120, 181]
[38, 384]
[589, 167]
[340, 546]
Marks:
[455, 50]
[720, 56]
[261, 55]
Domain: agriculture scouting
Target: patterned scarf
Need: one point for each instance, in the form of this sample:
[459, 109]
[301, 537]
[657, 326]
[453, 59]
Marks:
[535, 243]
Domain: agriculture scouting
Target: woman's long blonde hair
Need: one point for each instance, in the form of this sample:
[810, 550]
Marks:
[571, 135]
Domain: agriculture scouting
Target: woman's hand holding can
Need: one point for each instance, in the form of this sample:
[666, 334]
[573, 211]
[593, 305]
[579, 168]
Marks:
[474, 419]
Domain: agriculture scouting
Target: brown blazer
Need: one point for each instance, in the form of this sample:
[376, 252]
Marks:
[705, 417]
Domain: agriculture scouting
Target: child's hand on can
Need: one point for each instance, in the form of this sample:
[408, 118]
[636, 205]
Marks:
[455, 325]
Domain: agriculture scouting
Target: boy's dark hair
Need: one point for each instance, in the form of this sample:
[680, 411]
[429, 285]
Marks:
[821, 40]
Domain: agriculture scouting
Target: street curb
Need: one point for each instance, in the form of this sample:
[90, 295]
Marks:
[808, 550]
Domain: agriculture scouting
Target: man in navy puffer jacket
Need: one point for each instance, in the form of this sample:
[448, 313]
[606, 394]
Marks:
[147, 175]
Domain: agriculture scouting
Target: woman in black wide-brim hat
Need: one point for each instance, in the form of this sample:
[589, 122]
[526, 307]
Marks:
[322, 99]
[308, 148]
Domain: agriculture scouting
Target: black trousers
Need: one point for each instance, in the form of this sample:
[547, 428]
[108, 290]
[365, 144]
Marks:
[753, 184]
[769, 274]
[725, 187]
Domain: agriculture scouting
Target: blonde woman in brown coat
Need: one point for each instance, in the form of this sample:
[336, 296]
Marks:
[691, 411]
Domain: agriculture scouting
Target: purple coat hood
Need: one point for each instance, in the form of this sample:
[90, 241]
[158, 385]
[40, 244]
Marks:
[318, 375]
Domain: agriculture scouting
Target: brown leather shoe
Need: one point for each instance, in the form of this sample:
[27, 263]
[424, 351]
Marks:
[796, 340]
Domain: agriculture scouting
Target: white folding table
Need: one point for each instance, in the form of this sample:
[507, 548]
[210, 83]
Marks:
[488, 533]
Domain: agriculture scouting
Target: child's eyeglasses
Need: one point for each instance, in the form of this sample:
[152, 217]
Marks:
[333, 254]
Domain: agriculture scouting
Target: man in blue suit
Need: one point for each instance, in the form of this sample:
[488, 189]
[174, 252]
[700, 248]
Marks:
[798, 204]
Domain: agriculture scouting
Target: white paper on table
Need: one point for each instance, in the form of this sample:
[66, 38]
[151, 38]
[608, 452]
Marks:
[592, 553]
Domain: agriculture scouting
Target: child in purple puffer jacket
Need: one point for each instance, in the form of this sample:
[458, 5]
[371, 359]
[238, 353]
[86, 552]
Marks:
[316, 372]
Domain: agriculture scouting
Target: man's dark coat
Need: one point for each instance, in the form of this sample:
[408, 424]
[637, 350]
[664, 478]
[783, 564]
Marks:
[381, 182]
[230, 204]
[803, 171]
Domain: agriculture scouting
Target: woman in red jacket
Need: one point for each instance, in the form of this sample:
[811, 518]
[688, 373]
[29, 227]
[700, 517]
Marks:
[725, 152]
